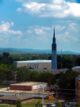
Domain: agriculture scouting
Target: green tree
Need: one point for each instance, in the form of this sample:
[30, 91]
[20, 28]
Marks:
[6, 73]
[47, 77]
[66, 82]
[18, 103]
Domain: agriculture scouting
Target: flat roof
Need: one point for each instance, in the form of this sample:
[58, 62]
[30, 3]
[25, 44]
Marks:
[14, 97]
[76, 67]
[16, 92]
[29, 83]
[35, 61]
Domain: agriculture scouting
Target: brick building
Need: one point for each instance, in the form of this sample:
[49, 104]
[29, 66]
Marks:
[78, 88]
[28, 86]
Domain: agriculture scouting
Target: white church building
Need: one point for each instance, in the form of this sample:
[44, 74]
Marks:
[38, 65]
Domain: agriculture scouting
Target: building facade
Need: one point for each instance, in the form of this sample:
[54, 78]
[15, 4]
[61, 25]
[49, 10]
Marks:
[36, 65]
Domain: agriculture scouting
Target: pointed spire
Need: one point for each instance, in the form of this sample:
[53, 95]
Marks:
[54, 52]
[54, 32]
[54, 38]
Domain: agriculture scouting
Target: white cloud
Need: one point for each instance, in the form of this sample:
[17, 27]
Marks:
[8, 36]
[34, 6]
[55, 8]
[39, 36]
[64, 33]
[39, 33]
[69, 33]
[73, 27]
[5, 28]
[74, 9]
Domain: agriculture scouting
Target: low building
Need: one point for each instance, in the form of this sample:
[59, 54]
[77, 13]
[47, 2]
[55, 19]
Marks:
[76, 68]
[12, 99]
[28, 86]
[39, 65]
[24, 91]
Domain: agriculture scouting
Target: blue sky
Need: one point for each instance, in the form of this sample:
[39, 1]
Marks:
[29, 24]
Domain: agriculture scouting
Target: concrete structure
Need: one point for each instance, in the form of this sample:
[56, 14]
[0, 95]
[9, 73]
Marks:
[78, 88]
[54, 54]
[39, 65]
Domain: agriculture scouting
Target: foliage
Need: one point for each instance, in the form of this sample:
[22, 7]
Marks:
[30, 56]
[47, 77]
[5, 58]
[25, 74]
[58, 104]
[18, 103]
[64, 61]
[6, 72]
[66, 83]
[78, 104]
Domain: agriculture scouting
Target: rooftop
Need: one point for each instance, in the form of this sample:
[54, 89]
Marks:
[29, 83]
[76, 67]
[35, 61]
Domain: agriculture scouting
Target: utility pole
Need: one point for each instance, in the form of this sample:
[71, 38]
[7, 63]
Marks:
[61, 59]
[42, 96]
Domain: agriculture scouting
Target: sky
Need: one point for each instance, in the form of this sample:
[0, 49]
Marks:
[30, 23]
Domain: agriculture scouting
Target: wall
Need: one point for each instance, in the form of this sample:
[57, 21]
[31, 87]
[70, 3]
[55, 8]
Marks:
[36, 66]
[78, 90]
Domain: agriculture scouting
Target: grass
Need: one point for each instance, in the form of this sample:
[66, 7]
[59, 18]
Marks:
[30, 103]
[7, 105]
[23, 105]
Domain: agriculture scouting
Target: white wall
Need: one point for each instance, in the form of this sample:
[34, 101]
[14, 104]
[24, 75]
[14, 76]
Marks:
[40, 86]
[36, 66]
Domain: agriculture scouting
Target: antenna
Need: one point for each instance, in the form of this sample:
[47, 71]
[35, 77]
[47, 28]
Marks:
[61, 58]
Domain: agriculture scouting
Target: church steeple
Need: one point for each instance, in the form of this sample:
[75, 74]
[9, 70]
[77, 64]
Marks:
[54, 53]
[54, 41]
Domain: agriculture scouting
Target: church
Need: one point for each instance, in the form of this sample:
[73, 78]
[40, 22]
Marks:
[42, 65]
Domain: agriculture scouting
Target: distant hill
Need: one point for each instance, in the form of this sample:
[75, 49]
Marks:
[35, 51]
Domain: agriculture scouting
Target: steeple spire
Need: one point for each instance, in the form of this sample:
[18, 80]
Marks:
[54, 32]
[54, 52]
[54, 38]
